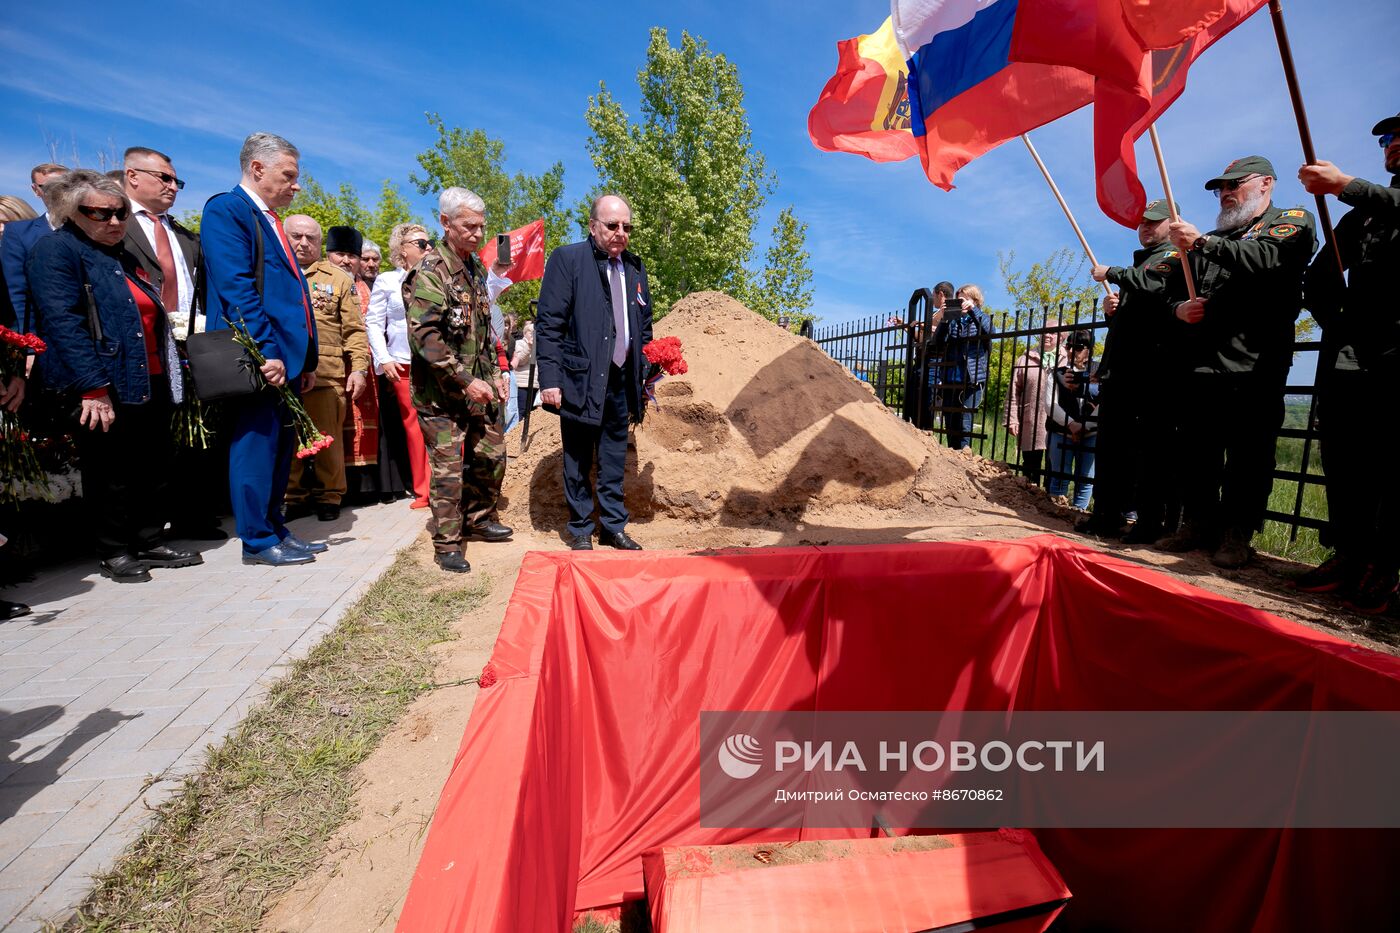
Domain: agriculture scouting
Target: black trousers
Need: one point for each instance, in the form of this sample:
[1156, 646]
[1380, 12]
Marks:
[1363, 506]
[1137, 467]
[126, 474]
[1227, 446]
[607, 444]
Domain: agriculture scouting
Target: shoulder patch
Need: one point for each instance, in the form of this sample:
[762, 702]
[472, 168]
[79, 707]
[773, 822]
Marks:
[1283, 230]
[1293, 213]
[1171, 254]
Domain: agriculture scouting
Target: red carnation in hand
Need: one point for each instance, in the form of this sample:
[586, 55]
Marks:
[666, 353]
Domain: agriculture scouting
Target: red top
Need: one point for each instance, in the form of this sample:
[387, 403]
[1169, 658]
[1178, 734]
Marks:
[155, 358]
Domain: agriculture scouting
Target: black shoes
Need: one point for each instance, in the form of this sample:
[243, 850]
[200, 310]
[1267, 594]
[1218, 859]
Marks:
[1234, 551]
[306, 547]
[618, 540]
[9, 610]
[325, 512]
[166, 556]
[1099, 527]
[488, 531]
[277, 555]
[581, 543]
[125, 569]
[1143, 532]
[1372, 594]
[452, 561]
[1331, 575]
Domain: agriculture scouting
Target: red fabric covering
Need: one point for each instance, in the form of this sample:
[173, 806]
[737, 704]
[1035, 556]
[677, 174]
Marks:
[872, 886]
[584, 754]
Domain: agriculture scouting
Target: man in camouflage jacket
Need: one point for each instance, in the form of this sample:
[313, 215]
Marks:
[458, 386]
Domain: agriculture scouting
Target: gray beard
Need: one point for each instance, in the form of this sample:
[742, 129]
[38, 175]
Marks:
[1231, 217]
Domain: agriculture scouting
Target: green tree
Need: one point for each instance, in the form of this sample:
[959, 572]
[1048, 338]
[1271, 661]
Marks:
[470, 158]
[690, 169]
[391, 211]
[341, 208]
[1058, 283]
[784, 288]
[190, 219]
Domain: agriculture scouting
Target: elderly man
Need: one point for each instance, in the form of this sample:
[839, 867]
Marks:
[1239, 346]
[1361, 323]
[238, 231]
[1136, 415]
[458, 387]
[370, 258]
[594, 319]
[342, 366]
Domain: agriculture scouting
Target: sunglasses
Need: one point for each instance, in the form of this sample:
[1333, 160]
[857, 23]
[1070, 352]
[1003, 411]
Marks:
[1233, 184]
[422, 244]
[1386, 140]
[614, 224]
[104, 214]
[165, 177]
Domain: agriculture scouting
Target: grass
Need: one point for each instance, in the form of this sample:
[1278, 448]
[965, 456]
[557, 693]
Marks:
[258, 815]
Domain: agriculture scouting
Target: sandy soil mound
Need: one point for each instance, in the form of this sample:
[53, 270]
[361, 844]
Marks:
[764, 428]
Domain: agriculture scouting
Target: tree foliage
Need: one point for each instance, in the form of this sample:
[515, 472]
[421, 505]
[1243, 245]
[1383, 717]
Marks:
[473, 159]
[343, 208]
[694, 178]
[784, 287]
[1059, 283]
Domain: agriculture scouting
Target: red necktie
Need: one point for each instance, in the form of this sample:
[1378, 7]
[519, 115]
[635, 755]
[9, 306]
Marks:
[287, 252]
[165, 258]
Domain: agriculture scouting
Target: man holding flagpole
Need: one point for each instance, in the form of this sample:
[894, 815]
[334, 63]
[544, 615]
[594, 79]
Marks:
[1239, 348]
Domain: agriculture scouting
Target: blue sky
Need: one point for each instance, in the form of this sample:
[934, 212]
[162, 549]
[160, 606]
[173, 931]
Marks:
[349, 83]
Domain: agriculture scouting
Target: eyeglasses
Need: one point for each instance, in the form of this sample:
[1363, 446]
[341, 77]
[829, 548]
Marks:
[104, 214]
[422, 244]
[614, 224]
[1386, 140]
[1234, 184]
[165, 177]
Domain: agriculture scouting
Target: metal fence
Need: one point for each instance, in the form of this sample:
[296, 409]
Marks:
[895, 355]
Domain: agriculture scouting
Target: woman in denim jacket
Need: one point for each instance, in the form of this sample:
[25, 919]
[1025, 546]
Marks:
[110, 345]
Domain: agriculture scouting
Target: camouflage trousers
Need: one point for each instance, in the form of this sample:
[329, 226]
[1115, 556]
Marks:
[466, 462]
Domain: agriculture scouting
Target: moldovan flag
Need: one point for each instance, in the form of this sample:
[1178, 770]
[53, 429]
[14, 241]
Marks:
[526, 248]
[966, 95]
[1134, 83]
[864, 108]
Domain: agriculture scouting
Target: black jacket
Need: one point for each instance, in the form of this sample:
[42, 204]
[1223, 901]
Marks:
[574, 329]
[1361, 318]
[1142, 344]
[140, 249]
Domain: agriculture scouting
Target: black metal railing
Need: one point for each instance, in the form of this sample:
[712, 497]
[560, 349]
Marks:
[908, 367]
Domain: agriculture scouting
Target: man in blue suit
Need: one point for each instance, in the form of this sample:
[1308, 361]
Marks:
[594, 319]
[275, 306]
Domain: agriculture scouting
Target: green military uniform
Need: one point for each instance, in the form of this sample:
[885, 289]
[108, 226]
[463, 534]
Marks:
[1239, 355]
[1140, 364]
[342, 349]
[449, 328]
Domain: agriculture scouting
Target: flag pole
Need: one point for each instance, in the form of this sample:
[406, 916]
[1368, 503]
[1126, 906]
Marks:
[1300, 114]
[1054, 189]
[1171, 206]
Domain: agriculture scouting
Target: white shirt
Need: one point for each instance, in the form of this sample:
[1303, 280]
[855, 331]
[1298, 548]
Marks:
[179, 317]
[386, 321]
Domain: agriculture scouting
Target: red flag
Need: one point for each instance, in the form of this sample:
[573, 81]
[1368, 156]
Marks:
[1165, 24]
[864, 108]
[1133, 85]
[526, 249]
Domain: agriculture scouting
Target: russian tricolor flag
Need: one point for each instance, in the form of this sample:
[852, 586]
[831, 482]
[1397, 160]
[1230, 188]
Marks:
[966, 96]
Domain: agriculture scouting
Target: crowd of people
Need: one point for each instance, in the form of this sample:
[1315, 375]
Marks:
[116, 287]
[1172, 430]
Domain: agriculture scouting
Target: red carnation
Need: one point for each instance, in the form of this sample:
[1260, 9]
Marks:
[666, 353]
[488, 676]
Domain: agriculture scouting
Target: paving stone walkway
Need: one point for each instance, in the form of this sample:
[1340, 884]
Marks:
[109, 693]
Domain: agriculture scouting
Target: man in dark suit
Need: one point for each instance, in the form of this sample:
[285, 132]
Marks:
[594, 319]
[169, 255]
[235, 229]
[20, 237]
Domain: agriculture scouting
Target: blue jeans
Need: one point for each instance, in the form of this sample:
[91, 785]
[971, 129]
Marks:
[1075, 460]
[957, 425]
[512, 402]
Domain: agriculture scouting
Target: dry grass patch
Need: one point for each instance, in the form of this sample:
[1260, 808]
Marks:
[258, 815]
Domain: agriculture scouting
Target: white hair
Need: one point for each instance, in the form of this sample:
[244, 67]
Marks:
[63, 195]
[453, 201]
[264, 147]
[371, 247]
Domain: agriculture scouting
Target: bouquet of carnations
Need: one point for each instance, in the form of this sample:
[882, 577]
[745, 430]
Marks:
[19, 461]
[310, 440]
[665, 358]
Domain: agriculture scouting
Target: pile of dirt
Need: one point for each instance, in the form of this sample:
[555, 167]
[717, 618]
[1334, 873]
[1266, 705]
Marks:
[763, 430]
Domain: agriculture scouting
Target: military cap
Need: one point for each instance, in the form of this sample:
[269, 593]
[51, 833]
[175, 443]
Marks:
[1158, 210]
[1249, 165]
[344, 240]
[1388, 125]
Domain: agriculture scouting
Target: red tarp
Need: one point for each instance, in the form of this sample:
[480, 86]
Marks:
[585, 751]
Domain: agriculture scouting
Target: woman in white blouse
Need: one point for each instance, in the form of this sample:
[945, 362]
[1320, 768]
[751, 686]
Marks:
[387, 329]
